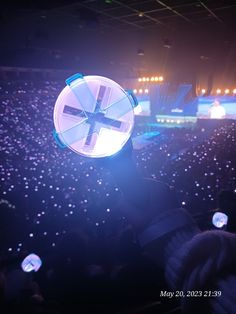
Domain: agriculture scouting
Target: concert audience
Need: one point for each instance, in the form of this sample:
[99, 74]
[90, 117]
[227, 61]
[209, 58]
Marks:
[90, 222]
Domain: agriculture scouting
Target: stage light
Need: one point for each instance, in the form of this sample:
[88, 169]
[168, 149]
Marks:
[152, 79]
[147, 79]
[135, 91]
[203, 91]
[218, 91]
[140, 80]
[32, 262]
[140, 52]
[156, 78]
[91, 113]
[234, 91]
[144, 79]
[140, 14]
[160, 78]
[146, 91]
[226, 91]
[219, 220]
[140, 91]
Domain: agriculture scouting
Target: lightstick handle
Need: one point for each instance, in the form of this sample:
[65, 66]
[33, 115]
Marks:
[127, 176]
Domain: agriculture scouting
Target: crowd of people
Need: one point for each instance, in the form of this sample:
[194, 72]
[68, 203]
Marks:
[66, 208]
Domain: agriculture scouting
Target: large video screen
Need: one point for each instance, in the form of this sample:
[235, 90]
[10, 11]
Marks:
[223, 107]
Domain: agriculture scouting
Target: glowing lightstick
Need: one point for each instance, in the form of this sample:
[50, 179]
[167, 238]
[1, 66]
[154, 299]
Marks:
[93, 116]
[219, 220]
[32, 262]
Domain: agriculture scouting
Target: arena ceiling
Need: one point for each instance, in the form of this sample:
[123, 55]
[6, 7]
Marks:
[90, 34]
[131, 14]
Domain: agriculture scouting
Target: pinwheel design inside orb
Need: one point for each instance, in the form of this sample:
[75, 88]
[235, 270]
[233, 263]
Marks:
[32, 262]
[93, 116]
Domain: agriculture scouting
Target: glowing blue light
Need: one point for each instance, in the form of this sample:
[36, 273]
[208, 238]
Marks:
[32, 262]
[219, 220]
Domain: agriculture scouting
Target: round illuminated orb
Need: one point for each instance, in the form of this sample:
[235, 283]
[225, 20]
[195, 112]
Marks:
[32, 262]
[93, 116]
[219, 220]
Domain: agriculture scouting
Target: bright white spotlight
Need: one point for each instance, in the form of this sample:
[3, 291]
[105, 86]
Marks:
[32, 262]
[146, 91]
[135, 91]
[140, 80]
[203, 91]
[218, 91]
[87, 109]
[219, 220]
[140, 91]
[227, 91]
[160, 78]
[234, 91]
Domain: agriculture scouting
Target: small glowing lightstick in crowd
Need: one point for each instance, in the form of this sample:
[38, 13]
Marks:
[93, 116]
[32, 262]
[219, 219]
